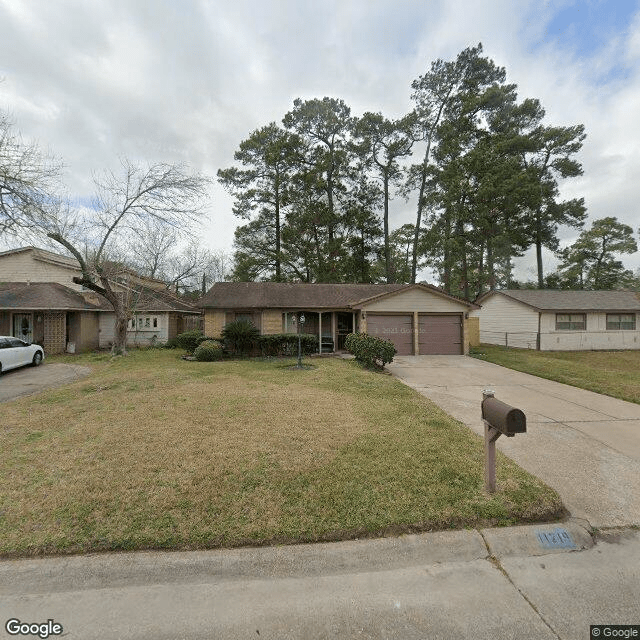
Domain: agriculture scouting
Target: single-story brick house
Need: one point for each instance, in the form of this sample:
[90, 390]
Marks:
[417, 318]
[40, 301]
[551, 320]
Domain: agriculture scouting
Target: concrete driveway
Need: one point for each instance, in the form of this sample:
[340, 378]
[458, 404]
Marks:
[29, 380]
[583, 444]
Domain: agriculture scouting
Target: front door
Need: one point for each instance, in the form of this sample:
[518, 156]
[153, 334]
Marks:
[345, 327]
[23, 326]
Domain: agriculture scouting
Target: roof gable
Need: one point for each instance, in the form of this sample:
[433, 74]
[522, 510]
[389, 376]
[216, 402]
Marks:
[427, 288]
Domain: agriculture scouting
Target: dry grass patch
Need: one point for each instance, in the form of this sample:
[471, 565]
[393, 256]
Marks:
[153, 452]
[613, 373]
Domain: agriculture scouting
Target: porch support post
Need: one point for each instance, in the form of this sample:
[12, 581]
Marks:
[333, 330]
[320, 332]
[353, 323]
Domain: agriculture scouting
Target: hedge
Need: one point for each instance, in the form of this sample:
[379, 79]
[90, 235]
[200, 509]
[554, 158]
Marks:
[189, 340]
[208, 351]
[286, 344]
[369, 350]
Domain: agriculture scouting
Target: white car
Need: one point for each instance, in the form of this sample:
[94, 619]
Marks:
[17, 353]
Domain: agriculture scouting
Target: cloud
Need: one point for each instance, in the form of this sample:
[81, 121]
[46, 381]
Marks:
[168, 80]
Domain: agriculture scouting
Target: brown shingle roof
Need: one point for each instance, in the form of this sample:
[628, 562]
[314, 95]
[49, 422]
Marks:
[146, 299]
[296, 295]
[51, 295]
[566, 300]
[42, 295]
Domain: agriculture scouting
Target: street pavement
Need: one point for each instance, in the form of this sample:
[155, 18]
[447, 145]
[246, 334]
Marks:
[487, 584]
[544, 581]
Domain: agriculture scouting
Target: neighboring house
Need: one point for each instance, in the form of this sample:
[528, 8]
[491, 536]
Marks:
[418, 318]
[50, 314]
[158, 316]
[560, 320]
[40, 301]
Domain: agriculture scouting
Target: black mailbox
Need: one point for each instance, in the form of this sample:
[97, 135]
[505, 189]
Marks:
[508, 420]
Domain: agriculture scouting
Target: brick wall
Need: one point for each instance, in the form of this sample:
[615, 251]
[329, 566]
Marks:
[54, 332]
[213, 322]
[271, 322]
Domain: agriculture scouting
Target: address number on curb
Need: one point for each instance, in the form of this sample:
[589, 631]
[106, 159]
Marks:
[556, 539]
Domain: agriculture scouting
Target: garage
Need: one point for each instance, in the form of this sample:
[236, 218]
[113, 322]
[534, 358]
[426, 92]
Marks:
[440, 334]
[395, 327]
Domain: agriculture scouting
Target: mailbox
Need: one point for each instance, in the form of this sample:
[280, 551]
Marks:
[508, 420]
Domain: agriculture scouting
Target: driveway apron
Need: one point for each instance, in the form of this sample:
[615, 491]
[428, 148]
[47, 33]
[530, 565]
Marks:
[583, 444]
[30, 380]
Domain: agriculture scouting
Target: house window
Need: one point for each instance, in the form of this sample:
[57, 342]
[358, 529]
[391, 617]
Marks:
[571, 322]
[143, 323]
[621, 321]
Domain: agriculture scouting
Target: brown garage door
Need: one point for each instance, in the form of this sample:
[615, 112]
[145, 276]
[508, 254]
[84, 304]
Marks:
[397, 328]
[440, 335]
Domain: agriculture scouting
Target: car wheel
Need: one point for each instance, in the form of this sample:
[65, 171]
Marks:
[37, 358]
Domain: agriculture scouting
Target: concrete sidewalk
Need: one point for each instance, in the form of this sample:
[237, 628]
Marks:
[583, 444]
[486, 584]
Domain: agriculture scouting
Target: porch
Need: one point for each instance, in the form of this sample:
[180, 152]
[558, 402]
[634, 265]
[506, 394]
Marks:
[331, 327]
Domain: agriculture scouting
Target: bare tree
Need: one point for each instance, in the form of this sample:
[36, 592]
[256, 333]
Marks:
[27, 180]
[151, 248]
[165, 193]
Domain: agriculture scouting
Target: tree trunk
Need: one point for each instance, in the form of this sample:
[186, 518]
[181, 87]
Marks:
[539, 249]
[463, 248]
[416, 234]
[119, 347]
[446, 254]
[491, 265]
[277, 201]
[387, 249]
[480, 283]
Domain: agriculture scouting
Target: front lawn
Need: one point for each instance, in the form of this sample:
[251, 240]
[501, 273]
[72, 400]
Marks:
[151, 451]
[614, 373]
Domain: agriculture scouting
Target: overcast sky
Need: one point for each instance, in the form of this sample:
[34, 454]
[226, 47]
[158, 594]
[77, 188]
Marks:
[187, 80]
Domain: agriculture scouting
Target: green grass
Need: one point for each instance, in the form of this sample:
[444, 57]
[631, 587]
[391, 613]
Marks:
[613, 373]
[150, 451]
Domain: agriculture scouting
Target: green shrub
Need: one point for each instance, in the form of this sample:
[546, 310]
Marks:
[172, 343]
[286, 344]
[208, 351]
[369, 350]
[189, 340]
[240, 336]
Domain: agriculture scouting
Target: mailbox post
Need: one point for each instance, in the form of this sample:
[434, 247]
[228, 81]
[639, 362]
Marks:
[499, 419]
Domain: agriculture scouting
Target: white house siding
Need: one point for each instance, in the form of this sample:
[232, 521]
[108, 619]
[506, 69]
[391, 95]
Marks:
[596, 336]
[23, 267]
[105, 328]
[507, 322]
[134, 338]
